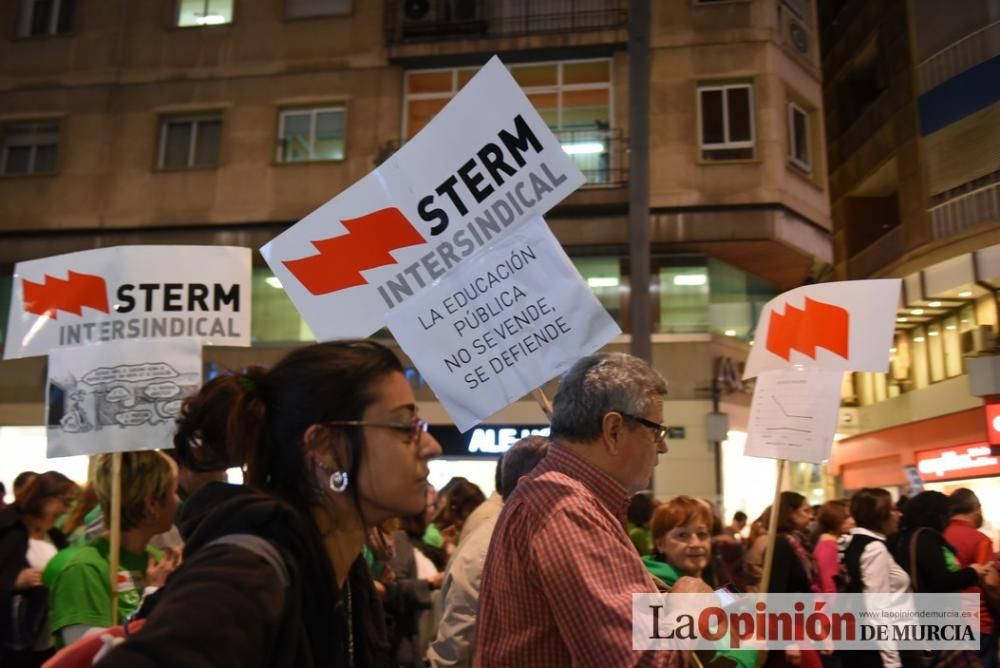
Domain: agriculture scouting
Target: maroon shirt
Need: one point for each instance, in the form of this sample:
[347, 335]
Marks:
[560, 573]
[972, 547]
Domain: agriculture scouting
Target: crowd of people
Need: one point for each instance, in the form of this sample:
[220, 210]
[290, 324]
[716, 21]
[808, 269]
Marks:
[334, 551]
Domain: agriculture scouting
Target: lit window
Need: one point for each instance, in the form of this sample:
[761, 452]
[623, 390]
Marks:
[29, 148]
[45, 17]
[726, 122]
[572, 97]
[197, 13]
[311, 134]
[798, 138]
[188, 142]
[304, 8]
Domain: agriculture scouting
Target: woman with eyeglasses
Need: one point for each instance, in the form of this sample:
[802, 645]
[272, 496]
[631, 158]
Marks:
[682, 546]
[273, 573]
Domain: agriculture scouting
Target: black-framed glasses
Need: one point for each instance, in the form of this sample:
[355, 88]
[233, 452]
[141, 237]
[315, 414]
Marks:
[412, 429]
[659, 430]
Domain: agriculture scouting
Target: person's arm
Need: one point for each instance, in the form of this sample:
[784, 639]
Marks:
[453, 645]
[222, 608]
[588, 570]
[874, 565]
[932, 570]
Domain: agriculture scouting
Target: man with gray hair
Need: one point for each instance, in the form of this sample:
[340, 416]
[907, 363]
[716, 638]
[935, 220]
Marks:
[559, 577]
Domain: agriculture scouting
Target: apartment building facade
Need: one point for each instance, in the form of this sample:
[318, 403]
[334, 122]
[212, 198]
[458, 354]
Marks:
[226, 121]
[913, 133]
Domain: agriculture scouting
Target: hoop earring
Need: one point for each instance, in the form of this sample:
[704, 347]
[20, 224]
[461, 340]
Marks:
[338, 481]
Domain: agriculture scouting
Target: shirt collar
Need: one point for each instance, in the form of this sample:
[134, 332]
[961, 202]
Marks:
[867, 532]
[607, 490]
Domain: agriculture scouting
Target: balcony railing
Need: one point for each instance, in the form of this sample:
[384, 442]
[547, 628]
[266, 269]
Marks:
[964, 54]
[980, 204]
[435, 20]
[600, 154]
[884, 251]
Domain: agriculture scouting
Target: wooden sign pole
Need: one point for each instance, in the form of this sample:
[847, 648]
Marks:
[543, 402]
[772, 530]
[116, 530]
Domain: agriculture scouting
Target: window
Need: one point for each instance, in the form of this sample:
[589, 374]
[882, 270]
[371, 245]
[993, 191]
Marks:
[45, 17]
[190, 141]
[726, 122]
[684, 298]
[304, 8]
[29, 148]
[311, 134]
[196, 13]
[798, 138]
[603, 276]
[572, 97]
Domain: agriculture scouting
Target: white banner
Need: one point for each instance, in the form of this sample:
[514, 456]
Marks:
[486, 162]
[794, 414]
[844, 326]
[500, 325]
[130, 292]
[118, 397]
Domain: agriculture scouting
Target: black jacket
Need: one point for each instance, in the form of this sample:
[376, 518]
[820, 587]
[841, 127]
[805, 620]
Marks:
[225, 605]
[932, 574]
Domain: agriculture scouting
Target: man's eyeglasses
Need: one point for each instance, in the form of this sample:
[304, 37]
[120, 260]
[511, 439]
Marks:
[659, 430]
[412, 429]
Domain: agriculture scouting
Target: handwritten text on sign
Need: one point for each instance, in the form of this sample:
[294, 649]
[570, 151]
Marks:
[501, 324]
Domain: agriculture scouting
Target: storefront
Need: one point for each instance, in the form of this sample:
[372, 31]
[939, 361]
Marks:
[943, 453]
[473, 455]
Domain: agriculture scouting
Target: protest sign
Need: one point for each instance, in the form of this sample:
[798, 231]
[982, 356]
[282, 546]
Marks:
[502, 323]
[485, 163]
[130, 292]
[794, 414]
[118, 397]
[845, 326]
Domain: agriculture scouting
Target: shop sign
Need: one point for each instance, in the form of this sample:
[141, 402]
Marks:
[486, 442]
[963, 461]
[993, 423]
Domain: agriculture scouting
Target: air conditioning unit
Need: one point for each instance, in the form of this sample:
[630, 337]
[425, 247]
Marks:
[977, 340]
[422, 13]
[796, 34]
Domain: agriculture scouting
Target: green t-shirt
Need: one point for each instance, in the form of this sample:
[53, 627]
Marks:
[432, 536]
[642, 538]
[80, 593]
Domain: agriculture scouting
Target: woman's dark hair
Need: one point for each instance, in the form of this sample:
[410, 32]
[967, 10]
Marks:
[927, 509]
[788, 504]
[457, 503]
[871, 508]
[640, 509]
[262, 425]
[831, 517]
[963, 501]
[40, 489]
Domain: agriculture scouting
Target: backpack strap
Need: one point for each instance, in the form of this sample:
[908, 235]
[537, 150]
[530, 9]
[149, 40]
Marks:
[259, 546]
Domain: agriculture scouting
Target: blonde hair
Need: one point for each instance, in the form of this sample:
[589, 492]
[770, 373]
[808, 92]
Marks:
[145, 474]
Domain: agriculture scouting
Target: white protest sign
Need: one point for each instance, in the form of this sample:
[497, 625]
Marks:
[130, 292]
[794, 414]
[486, 162]
[846, 326]
[501, 324]
[118, 397]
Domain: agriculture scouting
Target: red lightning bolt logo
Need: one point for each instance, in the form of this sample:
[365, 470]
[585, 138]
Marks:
[819, 325]
[365, 246]
[70, 295]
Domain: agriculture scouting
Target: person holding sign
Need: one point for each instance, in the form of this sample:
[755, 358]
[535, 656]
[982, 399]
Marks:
[559, 577]
[273, 573]
[80, 598]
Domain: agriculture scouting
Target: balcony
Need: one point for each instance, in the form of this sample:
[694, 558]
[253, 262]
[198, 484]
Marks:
[408, 21]
[964, 54]
[965, 207]
[601, 154]
[883, 252]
